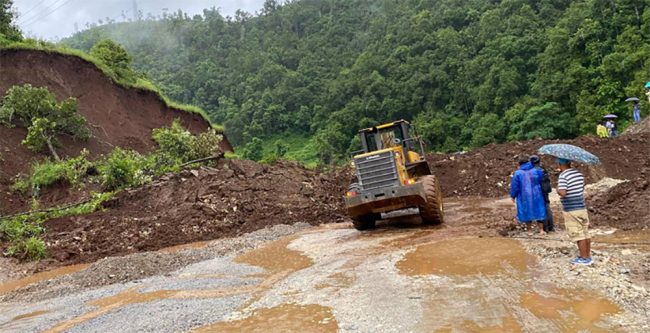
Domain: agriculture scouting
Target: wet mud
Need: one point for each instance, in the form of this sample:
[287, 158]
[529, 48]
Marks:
[42, 276]
[280, 319]
[465, 257]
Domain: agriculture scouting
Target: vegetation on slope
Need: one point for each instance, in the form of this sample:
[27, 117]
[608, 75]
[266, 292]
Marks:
[467, 72]
[177, 148]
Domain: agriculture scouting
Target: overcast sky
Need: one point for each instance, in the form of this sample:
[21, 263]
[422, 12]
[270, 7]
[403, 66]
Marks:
[52, 19]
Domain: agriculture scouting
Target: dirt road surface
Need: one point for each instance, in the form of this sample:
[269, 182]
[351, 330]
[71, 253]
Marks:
[402, 277]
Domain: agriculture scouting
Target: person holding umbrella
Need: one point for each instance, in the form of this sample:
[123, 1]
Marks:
[611, 125]
[636, 109]
[571, 184]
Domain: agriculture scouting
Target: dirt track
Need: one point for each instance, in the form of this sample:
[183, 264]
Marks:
[458, 277]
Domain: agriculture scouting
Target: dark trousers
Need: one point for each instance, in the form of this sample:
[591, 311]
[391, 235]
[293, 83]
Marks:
[548, 223]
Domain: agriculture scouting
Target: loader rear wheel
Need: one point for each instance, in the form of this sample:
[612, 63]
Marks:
[432, 211]
[365, 222]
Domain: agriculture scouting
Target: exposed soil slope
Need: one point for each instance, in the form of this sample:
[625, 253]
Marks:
[486, 171]
[117, 116]
[204, 204]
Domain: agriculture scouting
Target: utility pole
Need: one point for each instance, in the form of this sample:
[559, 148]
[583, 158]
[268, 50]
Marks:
[135, 10]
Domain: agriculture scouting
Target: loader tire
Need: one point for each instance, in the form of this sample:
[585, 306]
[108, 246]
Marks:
[365, 222]
[432, 211]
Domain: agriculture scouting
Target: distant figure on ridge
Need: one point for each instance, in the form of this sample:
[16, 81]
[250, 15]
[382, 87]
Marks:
[526, 192]
[601, 130]
[636, 112]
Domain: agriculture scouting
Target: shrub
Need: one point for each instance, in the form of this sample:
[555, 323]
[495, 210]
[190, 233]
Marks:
[177, 145]
[46, 173]
[206, 144]
[174, 142]
[116, 58]
[122, 168]
[32, 248]
[253, 149]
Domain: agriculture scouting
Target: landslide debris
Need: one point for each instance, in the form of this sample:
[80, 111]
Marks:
[626, 206]
[486, 171]
[202, 204]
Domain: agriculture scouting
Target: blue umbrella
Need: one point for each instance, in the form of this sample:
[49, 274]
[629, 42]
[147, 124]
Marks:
[569, 152]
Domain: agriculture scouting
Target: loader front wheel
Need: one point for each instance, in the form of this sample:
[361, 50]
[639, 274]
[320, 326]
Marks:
[365, 222]
[432, 211]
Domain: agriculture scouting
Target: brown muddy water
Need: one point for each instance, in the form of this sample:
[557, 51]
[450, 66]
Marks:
[465, 257]
[280, 319]
[38, 277]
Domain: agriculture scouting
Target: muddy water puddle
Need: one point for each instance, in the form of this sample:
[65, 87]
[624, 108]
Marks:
[637, 237]
[188, 246]
[465, 257]
[38, 277]
[508, 324]
[280, 319]
[570, 311]
[276, 257]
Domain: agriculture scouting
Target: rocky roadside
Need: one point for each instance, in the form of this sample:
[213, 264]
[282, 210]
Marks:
[618, 272]
[138, 266]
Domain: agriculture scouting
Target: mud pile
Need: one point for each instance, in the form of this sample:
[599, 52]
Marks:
[203, 204]
[486, 171]
[626, 206]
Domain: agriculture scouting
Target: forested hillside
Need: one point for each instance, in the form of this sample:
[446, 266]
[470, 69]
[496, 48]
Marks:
[467, 72]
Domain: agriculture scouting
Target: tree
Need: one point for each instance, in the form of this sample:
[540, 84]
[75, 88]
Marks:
[319, 67]
[115, 57]
[253, 149]
[7, 27]
[37, 110]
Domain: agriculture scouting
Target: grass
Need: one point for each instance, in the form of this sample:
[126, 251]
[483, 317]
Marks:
[48, 172]
[300, 148]
[30, 44]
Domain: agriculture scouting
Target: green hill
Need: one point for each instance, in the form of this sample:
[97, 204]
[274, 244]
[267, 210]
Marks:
[467, 72]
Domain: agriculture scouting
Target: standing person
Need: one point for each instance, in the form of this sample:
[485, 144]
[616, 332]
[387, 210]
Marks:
[647, 90]
[571, 184]
[526, 191]
[601, 130]
[636, 112]
[609, 124]
[546, 190]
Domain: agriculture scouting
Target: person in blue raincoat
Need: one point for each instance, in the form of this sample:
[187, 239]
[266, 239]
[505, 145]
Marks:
[526, 191]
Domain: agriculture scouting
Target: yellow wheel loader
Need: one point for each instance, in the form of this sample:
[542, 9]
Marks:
[392, 174]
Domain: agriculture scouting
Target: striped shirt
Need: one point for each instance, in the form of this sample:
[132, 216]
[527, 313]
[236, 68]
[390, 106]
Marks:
[573, 182]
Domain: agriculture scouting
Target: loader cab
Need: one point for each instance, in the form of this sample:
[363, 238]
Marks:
[388, 135]
[392, 135]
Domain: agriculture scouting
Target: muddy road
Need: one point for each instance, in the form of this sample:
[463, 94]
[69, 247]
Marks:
[458, 277]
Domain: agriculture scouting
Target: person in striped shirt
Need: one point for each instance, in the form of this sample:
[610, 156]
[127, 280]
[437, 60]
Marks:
[571, 185]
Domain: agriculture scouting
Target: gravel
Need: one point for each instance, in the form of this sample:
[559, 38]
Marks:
[142, 265]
